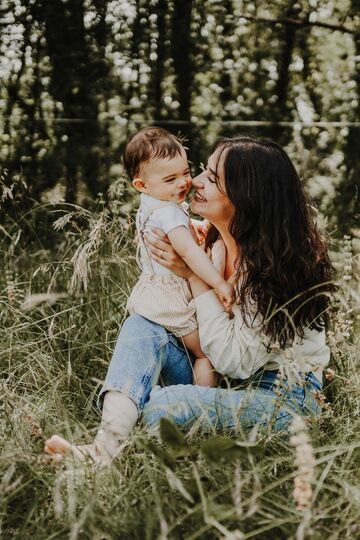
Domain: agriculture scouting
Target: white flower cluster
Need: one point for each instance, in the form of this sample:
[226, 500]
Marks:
[347, 262]
[343, 324]
[291, 363]
[10, 287]
[305, 463]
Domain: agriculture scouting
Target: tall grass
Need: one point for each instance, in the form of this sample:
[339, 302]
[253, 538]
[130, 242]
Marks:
[61, 309]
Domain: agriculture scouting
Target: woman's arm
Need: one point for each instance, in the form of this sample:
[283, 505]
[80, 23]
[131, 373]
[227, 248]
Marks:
[233, 348]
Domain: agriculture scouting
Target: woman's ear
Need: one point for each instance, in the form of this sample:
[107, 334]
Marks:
[139, 185]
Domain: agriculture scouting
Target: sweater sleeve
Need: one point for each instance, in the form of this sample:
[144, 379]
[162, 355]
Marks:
[233, 348]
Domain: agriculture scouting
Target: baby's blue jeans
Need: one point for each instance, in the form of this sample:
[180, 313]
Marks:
[147, 356]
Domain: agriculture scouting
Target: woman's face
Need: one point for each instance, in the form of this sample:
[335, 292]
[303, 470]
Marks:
[209, 202]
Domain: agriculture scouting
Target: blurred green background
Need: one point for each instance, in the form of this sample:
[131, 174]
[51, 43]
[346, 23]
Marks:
[77, 78]
[80, 76]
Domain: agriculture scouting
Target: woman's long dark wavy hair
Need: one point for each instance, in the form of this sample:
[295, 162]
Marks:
[288, 274]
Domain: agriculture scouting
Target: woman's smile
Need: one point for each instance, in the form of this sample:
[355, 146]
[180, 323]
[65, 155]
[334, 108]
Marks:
[210, 200]
[199, 198]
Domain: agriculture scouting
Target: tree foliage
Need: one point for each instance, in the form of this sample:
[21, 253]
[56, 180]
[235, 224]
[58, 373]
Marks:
[81, 75]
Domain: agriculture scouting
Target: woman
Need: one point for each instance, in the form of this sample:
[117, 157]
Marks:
[264, 239]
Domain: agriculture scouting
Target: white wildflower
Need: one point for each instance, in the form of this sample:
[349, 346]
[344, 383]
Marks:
[34, 300]
[305, 462]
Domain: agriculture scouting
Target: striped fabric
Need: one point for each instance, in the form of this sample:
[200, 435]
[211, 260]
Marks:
[165, 300]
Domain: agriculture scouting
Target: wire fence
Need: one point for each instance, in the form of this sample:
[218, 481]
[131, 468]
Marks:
[250, 123]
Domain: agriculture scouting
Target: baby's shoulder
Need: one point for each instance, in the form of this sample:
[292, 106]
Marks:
[171, 209]
[169, 217]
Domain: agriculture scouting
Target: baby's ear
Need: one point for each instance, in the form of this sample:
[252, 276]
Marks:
[139, 185]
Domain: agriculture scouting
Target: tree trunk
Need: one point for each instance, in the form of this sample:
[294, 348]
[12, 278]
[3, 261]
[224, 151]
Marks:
[228, 21]
[282, 111]
[347, 197]
[311, 89]
[181, 54]
[159, 66]
[75, 74]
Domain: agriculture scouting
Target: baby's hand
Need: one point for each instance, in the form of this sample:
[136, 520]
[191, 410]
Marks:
[226, 293]
[201, 229]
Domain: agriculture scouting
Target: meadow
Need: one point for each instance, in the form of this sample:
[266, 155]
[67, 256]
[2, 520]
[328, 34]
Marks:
[63, 296]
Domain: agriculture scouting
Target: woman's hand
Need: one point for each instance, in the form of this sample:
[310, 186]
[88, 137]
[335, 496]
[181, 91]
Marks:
[162, 252]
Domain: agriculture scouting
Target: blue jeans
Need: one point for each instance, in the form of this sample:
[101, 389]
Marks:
[146, 355]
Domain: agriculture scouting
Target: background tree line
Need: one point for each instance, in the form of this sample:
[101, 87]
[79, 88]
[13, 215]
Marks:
[79, 76]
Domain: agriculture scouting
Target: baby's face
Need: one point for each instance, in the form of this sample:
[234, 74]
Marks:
[167, 179]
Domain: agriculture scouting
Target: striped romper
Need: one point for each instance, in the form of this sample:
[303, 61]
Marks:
[160, 295]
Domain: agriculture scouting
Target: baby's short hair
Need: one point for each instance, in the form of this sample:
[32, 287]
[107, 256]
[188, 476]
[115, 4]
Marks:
[150, 142]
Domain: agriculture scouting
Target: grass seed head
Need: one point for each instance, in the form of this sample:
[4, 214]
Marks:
[305, 463]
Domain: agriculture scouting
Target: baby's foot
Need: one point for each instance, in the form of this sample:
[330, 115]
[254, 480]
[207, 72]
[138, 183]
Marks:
[59, 448]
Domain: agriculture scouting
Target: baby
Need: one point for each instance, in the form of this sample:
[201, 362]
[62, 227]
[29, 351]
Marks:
[157, 163]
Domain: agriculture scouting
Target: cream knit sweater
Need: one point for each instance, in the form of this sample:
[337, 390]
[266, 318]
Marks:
[238, 351]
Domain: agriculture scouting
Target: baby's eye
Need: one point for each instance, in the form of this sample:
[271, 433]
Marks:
[170, 180]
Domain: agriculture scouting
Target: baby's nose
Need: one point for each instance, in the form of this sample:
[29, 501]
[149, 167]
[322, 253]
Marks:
[183, 181]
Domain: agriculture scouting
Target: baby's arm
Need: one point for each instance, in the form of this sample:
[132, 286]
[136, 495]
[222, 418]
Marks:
[182, 241]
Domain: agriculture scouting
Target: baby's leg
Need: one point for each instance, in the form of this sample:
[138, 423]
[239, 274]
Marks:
[204, 373]
[119, 417]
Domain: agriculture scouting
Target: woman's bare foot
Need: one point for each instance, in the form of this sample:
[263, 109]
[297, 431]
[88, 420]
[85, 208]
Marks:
[58, 448]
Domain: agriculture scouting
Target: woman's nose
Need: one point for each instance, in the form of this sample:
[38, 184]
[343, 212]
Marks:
[197, 181]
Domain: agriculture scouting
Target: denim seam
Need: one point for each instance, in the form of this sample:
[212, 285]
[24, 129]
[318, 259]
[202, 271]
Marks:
[144, 382]
[148, 375]
[174, 341]
[164, 341]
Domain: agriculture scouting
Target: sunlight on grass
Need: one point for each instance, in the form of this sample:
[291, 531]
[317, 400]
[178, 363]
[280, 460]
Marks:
[54, 355]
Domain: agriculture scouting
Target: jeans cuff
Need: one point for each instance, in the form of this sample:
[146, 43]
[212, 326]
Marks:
[128, 393]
